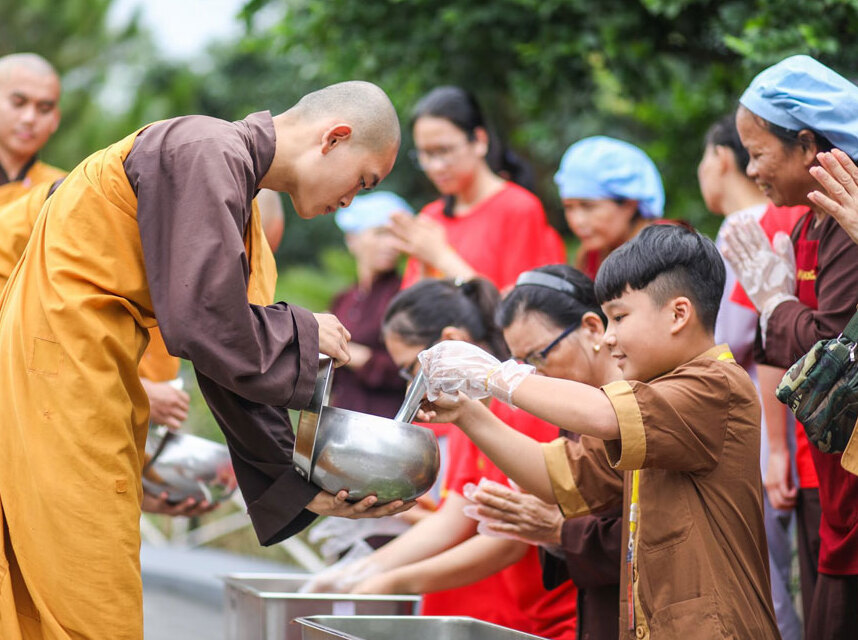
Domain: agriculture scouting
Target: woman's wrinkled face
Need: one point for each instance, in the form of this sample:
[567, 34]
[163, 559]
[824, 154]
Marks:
[532, 331]
[374, 249]
[446, 155]
[780, 171]
[601, 225]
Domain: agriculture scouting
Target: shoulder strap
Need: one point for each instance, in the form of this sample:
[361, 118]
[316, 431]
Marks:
[851, 330]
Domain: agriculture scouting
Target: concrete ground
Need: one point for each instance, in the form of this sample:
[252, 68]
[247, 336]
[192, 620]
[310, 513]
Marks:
[183, 593]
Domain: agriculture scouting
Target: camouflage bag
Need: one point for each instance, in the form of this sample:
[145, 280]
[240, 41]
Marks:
[821, 389]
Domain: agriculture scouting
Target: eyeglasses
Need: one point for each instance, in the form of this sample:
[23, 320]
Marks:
[538, 359]
[407, 372]
[424, 158]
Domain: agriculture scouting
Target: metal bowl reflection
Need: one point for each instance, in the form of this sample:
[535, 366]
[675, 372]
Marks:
[187, 466]
[369, 455]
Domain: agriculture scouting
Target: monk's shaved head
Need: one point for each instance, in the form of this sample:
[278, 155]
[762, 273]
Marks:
[31, 62]
[362, 104]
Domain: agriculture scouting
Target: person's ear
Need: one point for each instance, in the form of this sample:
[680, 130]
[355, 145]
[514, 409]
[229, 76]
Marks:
[593, 327]
[726, 160]
[682, 312]
[629, 208]
[455, 333]
[481, 142]
[334, 136]
[809, 147]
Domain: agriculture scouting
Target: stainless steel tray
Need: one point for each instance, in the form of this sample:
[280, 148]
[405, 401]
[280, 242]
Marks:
[404, 628]
[260, 606]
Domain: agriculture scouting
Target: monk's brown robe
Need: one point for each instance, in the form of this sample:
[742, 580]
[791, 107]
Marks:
[153, 225]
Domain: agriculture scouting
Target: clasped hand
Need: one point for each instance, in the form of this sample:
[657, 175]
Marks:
[767, 272]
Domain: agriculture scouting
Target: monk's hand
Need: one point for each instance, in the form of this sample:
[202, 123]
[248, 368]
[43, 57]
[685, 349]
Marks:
[188, 508]
[333, 338]
[838, 176]
[327, 504]
[766, 271]
[506, 512]
[452, 366]
[167, 405]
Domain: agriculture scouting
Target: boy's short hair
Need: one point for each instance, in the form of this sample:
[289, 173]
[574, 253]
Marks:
[667, 261]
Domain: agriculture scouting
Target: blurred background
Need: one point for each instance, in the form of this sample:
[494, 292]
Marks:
[548, 72]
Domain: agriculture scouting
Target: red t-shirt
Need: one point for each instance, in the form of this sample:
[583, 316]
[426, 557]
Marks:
[500, 237]
[784, 219]
[514, 597]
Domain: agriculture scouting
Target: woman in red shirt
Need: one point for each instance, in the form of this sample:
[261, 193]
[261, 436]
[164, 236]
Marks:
[484, 224]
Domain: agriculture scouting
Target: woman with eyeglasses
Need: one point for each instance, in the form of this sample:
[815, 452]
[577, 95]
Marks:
[462, 573]
[552, 321]
[610, 191]
[485, 223]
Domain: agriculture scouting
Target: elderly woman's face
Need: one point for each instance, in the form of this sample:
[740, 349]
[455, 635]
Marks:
[780, 171]
[601, 225]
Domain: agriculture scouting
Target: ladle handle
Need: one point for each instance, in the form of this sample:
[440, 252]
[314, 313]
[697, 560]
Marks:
[413, 398]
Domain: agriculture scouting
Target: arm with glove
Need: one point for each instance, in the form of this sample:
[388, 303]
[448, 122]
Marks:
[458, 373]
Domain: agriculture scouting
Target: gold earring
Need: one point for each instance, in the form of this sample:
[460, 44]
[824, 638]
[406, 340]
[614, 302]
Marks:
[597, 347]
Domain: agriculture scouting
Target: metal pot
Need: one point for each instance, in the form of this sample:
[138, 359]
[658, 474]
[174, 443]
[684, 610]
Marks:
[338, 449]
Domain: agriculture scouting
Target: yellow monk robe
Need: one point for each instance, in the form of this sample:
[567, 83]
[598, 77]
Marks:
[38, 173]
[17, 219]
[74, 321]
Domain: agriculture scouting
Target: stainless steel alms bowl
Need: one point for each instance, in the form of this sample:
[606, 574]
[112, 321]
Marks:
[369, 455]
[187, 466]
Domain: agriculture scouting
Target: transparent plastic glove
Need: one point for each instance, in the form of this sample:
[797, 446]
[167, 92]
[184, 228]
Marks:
[766, 272]
[452, 366]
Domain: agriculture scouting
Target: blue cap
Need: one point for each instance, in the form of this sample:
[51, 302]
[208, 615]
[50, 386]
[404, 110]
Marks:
[802, 93]
[601, 168]
[370, 211]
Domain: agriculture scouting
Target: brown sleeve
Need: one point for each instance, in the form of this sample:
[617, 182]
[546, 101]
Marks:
[677, 423]
[592, 548]
[260, 442]
[194, 180]
[794, 327]
[581, 477]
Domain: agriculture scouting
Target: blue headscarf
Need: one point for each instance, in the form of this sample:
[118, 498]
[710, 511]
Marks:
[369, 211]
[600, 168]
[802, 93]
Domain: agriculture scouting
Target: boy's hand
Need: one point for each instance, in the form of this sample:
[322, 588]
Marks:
[452, 366]
[333, 338]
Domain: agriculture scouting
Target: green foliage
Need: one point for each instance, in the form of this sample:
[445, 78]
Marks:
[655, 72]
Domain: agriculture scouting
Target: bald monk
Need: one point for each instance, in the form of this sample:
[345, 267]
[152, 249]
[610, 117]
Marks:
[29, 115]
[154, 225]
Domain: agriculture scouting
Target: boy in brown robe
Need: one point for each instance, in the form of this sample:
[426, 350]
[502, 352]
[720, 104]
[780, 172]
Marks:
[684, 423]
